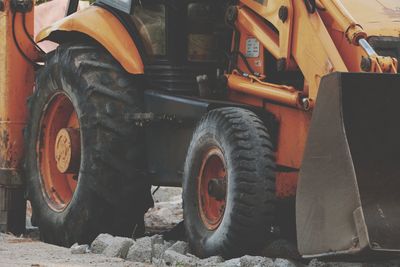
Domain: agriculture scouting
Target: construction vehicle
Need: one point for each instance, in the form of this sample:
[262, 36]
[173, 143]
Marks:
[253, 106]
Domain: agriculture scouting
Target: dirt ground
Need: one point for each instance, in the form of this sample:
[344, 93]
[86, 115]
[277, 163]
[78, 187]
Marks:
[28, 251]
[166, 214]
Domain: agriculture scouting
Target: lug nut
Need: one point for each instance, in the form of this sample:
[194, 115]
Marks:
[283, 13]
[231, 15]
[366, 64]
[306, 103]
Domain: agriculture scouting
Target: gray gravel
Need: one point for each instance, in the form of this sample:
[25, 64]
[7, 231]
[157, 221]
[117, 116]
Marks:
[180, 247]
[22, 252]
[107, 250]
[80, 249]
[119, 247]
[167, 211]
[101, 243]
[141, 250]
[154, 250]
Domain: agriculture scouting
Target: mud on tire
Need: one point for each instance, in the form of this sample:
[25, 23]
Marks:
[111, 195]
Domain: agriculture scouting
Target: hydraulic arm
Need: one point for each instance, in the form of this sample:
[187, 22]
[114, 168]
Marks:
[356, 35]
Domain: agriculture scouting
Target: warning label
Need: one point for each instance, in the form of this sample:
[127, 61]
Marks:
[252, 47]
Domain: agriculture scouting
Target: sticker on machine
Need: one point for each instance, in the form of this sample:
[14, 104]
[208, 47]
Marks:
[252, 47]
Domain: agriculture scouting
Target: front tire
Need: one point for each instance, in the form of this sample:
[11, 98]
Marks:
[229, 184]
[92, 183]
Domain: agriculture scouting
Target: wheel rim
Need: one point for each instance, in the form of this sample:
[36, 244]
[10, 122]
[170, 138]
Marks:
[212, 184]
[59, 150]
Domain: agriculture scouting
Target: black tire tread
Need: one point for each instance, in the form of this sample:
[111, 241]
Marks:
[99, 82]
[254, 164]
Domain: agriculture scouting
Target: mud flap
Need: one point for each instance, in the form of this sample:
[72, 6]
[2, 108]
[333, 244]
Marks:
[348, 197]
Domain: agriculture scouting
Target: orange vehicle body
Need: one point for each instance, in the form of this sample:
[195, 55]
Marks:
[103, 27]
[315, 44]
[12, 115]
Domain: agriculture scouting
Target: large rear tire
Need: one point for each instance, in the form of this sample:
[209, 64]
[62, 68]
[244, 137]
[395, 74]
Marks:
[229, 184]
[84, 156]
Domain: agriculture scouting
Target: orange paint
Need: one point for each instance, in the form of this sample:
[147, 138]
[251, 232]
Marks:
[318, 46]
[249, 22]
[286, 184]
[293, 126]
[57, 186]
[282, 94]
[16, 84]
[257, 60]
[211, 208]
[244, 98]
[106, 29]
[292, 136]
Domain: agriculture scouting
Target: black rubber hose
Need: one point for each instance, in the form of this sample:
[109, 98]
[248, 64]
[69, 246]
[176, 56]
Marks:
[29, 36]
[30, 61]
[311, 6]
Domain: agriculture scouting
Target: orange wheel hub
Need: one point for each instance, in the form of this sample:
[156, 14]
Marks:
[67, 150]
[212, 186]
[59, 150]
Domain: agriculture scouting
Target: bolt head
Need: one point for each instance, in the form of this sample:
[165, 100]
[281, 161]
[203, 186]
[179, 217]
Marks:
[22, 6]
[281, 64]
[306, 103]
[283, 13]
[231, 15]
[366, 64]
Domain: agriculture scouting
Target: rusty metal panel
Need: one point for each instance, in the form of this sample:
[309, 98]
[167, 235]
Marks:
[347, 198]
[16, 84]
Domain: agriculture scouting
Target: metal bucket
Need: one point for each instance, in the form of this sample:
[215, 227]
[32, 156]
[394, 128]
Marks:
[348, 198]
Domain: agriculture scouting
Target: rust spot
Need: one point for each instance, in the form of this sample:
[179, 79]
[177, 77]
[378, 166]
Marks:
[286, 184]
[6, 157]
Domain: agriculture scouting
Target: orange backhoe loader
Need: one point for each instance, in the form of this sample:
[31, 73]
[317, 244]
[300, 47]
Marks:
[277, 117]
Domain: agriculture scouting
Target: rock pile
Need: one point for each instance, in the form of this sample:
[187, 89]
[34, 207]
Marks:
[159, 252]
[155, 251]
[166, 217]
[165, 214]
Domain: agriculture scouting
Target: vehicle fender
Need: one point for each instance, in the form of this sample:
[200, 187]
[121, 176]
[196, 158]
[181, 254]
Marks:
[105, 28]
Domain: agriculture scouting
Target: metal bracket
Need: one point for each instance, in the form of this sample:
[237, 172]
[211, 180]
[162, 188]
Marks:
[23, 6]
[10, 178]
